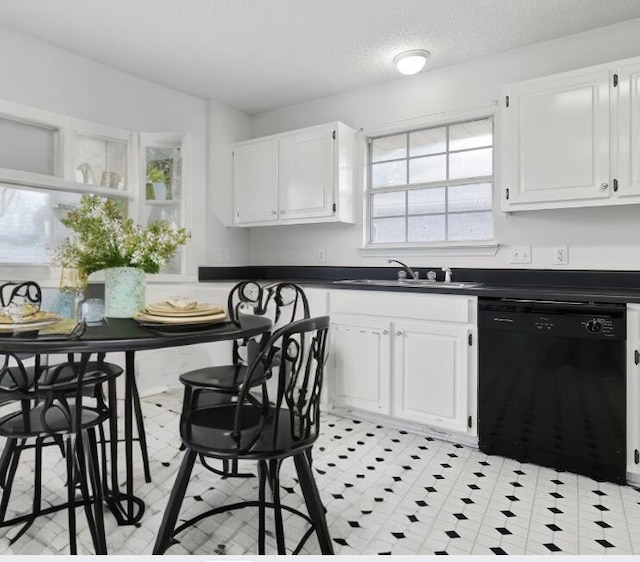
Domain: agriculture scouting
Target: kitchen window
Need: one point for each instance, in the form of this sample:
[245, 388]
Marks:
[48, 161]
[431, 186]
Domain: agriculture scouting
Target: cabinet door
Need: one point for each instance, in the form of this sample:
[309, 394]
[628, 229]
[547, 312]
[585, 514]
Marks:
[306, 166]
[629, 130]
[360, 358]
[431, 365]
[255, 182]
[558, 141]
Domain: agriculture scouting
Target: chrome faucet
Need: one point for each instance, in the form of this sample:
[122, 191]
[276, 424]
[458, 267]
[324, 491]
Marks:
[447, 274]
[410, 273]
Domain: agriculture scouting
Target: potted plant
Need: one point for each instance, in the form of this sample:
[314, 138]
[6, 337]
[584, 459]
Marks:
[159, 174]
[104, 239]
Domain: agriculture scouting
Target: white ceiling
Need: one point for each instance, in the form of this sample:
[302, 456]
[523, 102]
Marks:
[260, 55]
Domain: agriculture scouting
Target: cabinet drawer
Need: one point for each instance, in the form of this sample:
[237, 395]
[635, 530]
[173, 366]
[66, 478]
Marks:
[448, 308]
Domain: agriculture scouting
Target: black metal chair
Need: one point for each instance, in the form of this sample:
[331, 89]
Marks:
[29, 292]
[255, 429]
[283, 303]
[57, 407]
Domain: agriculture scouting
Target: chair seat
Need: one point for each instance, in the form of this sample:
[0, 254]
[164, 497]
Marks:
[16, 425]
[211, 429]
[110, 369]
[223, 377]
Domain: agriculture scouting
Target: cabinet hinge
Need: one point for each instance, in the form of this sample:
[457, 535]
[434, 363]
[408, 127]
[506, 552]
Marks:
[636, 356]
[333, 135]
[469, 422]
[636, 456]
[615, 80]
[507, 101]
[334, 207]
[615, 184]
[507, 193]
[470, 339]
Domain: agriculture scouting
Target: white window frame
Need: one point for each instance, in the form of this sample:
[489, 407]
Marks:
[480, 247]
[64, 179]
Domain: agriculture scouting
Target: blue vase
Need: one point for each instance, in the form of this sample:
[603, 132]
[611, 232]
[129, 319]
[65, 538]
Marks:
[124, 290]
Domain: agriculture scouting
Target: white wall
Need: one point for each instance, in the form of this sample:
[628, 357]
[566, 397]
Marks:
[225, 246]
[46, 77]
[604, 238]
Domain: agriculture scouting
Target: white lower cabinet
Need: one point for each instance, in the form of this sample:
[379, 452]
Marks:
[360, 347]
[430, 368]
[410, 356]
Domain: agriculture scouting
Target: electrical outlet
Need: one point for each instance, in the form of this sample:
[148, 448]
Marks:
[520, 254]
[561, 255]
[322, 255]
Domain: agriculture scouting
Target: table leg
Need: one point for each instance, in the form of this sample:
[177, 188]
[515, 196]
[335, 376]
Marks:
[124, 505]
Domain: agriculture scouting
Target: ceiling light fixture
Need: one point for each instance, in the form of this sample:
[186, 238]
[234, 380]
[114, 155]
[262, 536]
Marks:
[411, 62]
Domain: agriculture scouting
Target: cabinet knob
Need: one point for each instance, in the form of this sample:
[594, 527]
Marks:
[385, 332]
[273, 212]
[398, 333]
[604, 186]
[282, 211]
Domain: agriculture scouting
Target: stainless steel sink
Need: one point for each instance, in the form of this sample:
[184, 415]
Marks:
[422, 283]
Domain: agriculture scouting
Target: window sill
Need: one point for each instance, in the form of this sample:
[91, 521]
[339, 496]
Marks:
[484, 248]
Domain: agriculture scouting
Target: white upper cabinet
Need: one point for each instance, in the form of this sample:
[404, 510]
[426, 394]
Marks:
[629, 129]
[255, 181]
[558, 140]
[571, 139]
[302, 176]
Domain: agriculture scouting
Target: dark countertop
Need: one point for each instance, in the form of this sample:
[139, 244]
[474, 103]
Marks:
[557, 285]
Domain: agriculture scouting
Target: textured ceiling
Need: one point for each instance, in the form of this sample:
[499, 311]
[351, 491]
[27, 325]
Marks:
[260, 55]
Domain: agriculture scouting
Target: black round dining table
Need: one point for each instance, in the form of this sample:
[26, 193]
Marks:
[128, 336]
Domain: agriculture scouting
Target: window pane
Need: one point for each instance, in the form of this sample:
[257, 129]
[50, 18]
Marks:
[164, 171]
[471, 197]
[391, 173]
[429, 141]
[427, 201]
[388, 204]
[30, 224]
[389, 148]
[427, 229]
[471, 164]
[387, 230]
[27, 147]
[101, 161]
[430, 168]
[474, 134]
[471, 226]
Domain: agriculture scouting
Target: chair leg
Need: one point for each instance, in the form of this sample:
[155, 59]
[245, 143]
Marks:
[11, 473]
[171, 512]
[37, 492]
[313, 501]
[5, 460]
[82, 454]
[142, 436]
[274, 470]
[94, 477]
[262, 478]
[71, 495]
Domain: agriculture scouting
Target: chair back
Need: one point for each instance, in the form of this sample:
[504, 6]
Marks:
[281, 302]
[27, 292]
[56, 398]
[296, 355]
[285, 303]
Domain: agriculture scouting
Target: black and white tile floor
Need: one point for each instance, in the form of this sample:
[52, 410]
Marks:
[386, 492]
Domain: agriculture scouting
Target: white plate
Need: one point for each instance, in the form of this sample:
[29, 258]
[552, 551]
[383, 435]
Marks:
[165, 309]
[143, 317]
[27, 326]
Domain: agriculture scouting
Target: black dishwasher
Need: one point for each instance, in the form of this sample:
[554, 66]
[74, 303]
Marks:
[552, 384]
